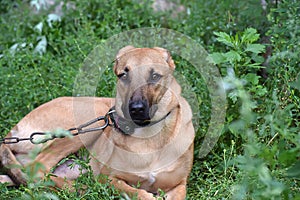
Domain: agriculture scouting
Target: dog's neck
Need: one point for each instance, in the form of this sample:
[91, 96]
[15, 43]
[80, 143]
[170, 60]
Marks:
[128, 127]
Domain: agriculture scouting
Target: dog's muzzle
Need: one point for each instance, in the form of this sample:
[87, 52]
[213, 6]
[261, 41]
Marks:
[139, 112]
[127, 126]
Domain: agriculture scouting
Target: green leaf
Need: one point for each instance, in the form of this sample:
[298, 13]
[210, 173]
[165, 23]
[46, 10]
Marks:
[252, 78]
[264, 175]
[294, 171]
[255, 65]
[296, 84]
[255, 48]
[261, 91]
[217, 58]
[233, 56]
[257, 58]
[224, 38]
[288, 157]
[62, 133]
[237, 127]
[233, 96]
[250, 35]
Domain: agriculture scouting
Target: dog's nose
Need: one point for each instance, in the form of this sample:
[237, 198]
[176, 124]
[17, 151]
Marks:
[137, 109]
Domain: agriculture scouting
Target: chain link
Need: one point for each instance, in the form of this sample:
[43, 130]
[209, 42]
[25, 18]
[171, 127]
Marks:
[73, 131]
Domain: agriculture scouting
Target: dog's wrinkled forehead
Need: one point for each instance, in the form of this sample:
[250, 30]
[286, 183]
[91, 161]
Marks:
[130, 56]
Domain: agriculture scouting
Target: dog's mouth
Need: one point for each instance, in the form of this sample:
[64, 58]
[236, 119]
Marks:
[142, 123]
[134, 119]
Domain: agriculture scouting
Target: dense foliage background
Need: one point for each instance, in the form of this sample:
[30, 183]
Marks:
[256, 49]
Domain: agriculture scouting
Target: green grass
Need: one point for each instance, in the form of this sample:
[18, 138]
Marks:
[257, 155]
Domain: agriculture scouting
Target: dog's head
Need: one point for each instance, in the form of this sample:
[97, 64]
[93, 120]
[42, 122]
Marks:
[146, 88]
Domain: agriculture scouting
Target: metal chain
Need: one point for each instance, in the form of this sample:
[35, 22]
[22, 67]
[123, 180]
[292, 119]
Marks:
[74, 131]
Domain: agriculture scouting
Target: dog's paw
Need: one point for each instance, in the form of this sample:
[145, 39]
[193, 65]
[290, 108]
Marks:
[6, 180]
[144, 195]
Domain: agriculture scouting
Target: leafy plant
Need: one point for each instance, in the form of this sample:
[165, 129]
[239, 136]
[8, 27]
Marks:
[244, 57]
[266, 145]
[256, 181]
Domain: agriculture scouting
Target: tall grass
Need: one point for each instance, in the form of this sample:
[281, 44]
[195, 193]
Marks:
[257, 155]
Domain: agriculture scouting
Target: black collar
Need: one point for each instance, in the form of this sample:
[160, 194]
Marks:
[126, 126]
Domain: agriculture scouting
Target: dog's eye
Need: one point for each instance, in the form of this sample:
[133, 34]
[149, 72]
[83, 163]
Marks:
[155, 77]
[123, 76]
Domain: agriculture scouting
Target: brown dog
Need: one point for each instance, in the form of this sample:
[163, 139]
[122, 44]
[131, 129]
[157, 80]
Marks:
[150, 144]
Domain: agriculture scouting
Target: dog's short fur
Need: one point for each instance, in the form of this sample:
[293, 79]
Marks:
[157, 154]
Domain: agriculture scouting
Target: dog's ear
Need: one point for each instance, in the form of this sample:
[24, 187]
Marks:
[167, 56]
[124, 50]
[120, 53]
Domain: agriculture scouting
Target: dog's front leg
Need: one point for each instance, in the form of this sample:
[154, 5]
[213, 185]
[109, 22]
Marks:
[177, 193]
[124, 187]
[55, 152]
